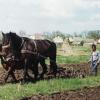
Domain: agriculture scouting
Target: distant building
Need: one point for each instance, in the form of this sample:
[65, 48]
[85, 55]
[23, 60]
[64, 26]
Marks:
[37, 36]
[89, 41]
[98, 41]
[75, 40]
[32, 37]
[70, 39]
[58, 40]
[78, 40]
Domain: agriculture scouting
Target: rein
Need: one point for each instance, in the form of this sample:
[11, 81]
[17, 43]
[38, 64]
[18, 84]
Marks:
[28, 51]
[22, 43]
[36, 53]
[35, 46]
[31, 52]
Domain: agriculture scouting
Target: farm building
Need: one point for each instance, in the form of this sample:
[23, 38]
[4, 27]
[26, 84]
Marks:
[58, 40]
[89, 41]
[32, 37]
[37, 36]
[75, 40]
[98, 41]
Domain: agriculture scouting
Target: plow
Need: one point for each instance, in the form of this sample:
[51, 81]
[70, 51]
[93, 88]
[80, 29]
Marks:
[64, 71]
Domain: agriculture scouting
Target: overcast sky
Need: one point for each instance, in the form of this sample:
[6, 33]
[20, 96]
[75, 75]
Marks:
[49, 15]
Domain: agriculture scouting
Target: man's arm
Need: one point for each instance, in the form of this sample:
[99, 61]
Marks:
[98, 61]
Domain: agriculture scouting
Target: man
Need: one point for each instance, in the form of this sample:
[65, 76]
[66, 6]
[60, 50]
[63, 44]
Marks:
[95, 59]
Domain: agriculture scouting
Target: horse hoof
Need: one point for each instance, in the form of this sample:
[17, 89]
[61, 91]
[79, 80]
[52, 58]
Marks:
[23, 82]
[4, 82]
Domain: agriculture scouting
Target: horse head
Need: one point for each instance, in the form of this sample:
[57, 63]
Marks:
[7, 45]
[11, 44]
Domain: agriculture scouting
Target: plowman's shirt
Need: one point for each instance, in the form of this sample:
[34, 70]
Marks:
[95, 56]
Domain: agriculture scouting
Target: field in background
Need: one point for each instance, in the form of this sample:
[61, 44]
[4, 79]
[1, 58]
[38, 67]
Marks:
[67, 50]
[74, 54]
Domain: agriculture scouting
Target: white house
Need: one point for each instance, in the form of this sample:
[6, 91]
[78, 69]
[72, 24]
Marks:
[58, 40]
[32, 37]
[98, 41]
[38, 36]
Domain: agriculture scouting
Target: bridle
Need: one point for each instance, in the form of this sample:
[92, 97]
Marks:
[20, 50]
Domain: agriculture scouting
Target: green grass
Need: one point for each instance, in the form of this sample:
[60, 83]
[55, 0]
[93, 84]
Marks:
[10, 91]
[82, 48]
[72, 59]
[85, 48]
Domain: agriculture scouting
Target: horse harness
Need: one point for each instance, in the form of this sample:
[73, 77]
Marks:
[31, 52]
[28, 51]
[23, 51]
[35, 52]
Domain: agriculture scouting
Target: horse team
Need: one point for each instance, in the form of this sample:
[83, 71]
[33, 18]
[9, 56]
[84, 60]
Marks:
[23, 53]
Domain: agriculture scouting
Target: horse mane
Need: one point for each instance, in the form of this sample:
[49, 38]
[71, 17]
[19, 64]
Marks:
[15, 39]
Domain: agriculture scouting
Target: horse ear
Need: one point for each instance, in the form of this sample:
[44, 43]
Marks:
[2, 34]
[10, 32]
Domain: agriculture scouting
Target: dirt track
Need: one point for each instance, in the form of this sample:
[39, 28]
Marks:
[82, 94]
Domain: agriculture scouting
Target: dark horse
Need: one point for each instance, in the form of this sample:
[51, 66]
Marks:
[30, 52]
[10, 66]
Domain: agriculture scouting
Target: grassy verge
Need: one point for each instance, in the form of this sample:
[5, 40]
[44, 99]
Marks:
[15, 91]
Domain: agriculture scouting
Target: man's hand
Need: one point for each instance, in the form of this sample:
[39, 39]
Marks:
[89, 61]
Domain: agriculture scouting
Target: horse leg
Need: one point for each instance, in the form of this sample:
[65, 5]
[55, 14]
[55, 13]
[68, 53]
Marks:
[44, 66]
[52, 56]
[53, 65]
[13, 76]
[35, 70]
[26, 63]
[7, 74]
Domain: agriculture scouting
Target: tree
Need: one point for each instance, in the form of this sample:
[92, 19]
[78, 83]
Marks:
[94, 34]
[58, 33]
[54, 34]
[48, 35]
[77, 35]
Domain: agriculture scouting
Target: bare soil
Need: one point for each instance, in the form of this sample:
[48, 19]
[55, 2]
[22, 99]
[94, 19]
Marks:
[82, 94]
[64, 71]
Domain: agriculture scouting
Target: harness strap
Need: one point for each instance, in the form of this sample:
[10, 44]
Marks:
[22, 43]
[27, 51]
[35, 46]
[35, 53]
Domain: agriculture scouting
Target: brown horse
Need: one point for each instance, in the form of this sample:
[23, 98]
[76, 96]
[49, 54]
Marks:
[30, 52]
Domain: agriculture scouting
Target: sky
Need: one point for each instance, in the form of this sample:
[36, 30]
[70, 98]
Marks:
[32, 16]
